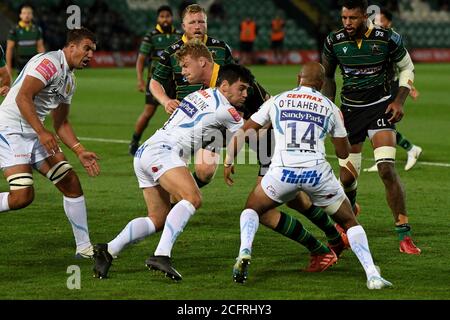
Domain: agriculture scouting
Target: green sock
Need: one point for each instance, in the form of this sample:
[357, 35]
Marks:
[293, 229]
[317, 216]
[403, 230]
[403, 142]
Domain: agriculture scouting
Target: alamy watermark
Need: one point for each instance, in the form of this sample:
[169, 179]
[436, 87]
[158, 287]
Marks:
[374, 13]
[74, 280]
[74, 19]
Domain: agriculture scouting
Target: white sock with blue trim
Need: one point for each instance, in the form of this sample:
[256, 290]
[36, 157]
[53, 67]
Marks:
[249, 222]
[175, 222]
[360, 247]
[136, 230]
[76, 212]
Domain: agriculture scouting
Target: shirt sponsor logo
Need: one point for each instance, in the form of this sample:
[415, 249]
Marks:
[362, 71]
[188, 108]
[298, 115]
[236, 116]
[305, 177]
[270, 189]
[22, 155]
[46, 68]
[26, 42]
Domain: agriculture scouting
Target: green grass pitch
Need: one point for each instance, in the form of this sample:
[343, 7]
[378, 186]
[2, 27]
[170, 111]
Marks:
[37, 246]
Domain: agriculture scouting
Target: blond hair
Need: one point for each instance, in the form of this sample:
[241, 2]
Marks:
[193, 8]
[194, 48]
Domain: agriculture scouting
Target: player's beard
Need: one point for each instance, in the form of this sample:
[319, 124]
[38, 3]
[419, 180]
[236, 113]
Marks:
[167, 28]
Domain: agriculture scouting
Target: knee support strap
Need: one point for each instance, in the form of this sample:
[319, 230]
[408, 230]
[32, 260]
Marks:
[58, 171]
[384, 154]
[334, 207]
[352, 163]
[20, 181]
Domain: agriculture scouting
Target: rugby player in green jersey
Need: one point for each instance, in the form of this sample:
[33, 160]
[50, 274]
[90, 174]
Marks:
[384, 19]
[364, 52]
[152, 46]
[24, 40]
[194, 23]
[5, 77]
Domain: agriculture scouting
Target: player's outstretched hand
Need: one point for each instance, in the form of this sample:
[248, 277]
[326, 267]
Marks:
[171, 105]
[227, 172]
[89, 161]
[397, 112]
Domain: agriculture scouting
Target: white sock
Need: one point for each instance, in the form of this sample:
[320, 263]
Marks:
[249, 225]
[134, 231]
[75, 209]
[4, 206]
[175, 222]
[360, 247]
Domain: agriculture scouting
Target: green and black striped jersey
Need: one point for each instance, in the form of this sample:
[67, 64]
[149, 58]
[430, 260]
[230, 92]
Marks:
[2, 57]
[25, 39]
[366, 64]
[155, 42]
[168, 69]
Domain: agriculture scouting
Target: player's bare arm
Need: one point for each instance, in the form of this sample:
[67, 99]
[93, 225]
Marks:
[235, 146]
[5, 81]
[65, 132]
[406, 80]
[140, 64]
[40, 46]
[396, 107]
[329, 85]
[10, 53]
[160, 94]
[31, 86]
[342, 147]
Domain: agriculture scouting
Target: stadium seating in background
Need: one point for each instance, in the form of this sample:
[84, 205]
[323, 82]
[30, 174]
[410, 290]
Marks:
[120, 24]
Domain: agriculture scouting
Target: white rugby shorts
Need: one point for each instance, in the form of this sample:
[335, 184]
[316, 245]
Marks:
[151, 161]
[20, 148]
[281, 184]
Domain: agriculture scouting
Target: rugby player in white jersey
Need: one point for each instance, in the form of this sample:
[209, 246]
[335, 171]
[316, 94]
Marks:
[46, 86]
[301, 118]
[160, 165]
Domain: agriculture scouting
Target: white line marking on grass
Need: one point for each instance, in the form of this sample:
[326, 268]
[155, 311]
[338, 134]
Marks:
[435, 164]
[425, 163]
[104, 140]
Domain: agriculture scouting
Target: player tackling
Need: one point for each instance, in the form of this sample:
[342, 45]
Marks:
[160, 165]
[301, 118]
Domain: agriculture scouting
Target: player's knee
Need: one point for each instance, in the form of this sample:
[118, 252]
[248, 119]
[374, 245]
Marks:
[385, 159]
[21, 190]
[341, 212]
[21, 198]
[70, 185]
[387, 172]
[195, 198]
[59, 172]
[205, 173]
[350, 167]
[301, 203]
